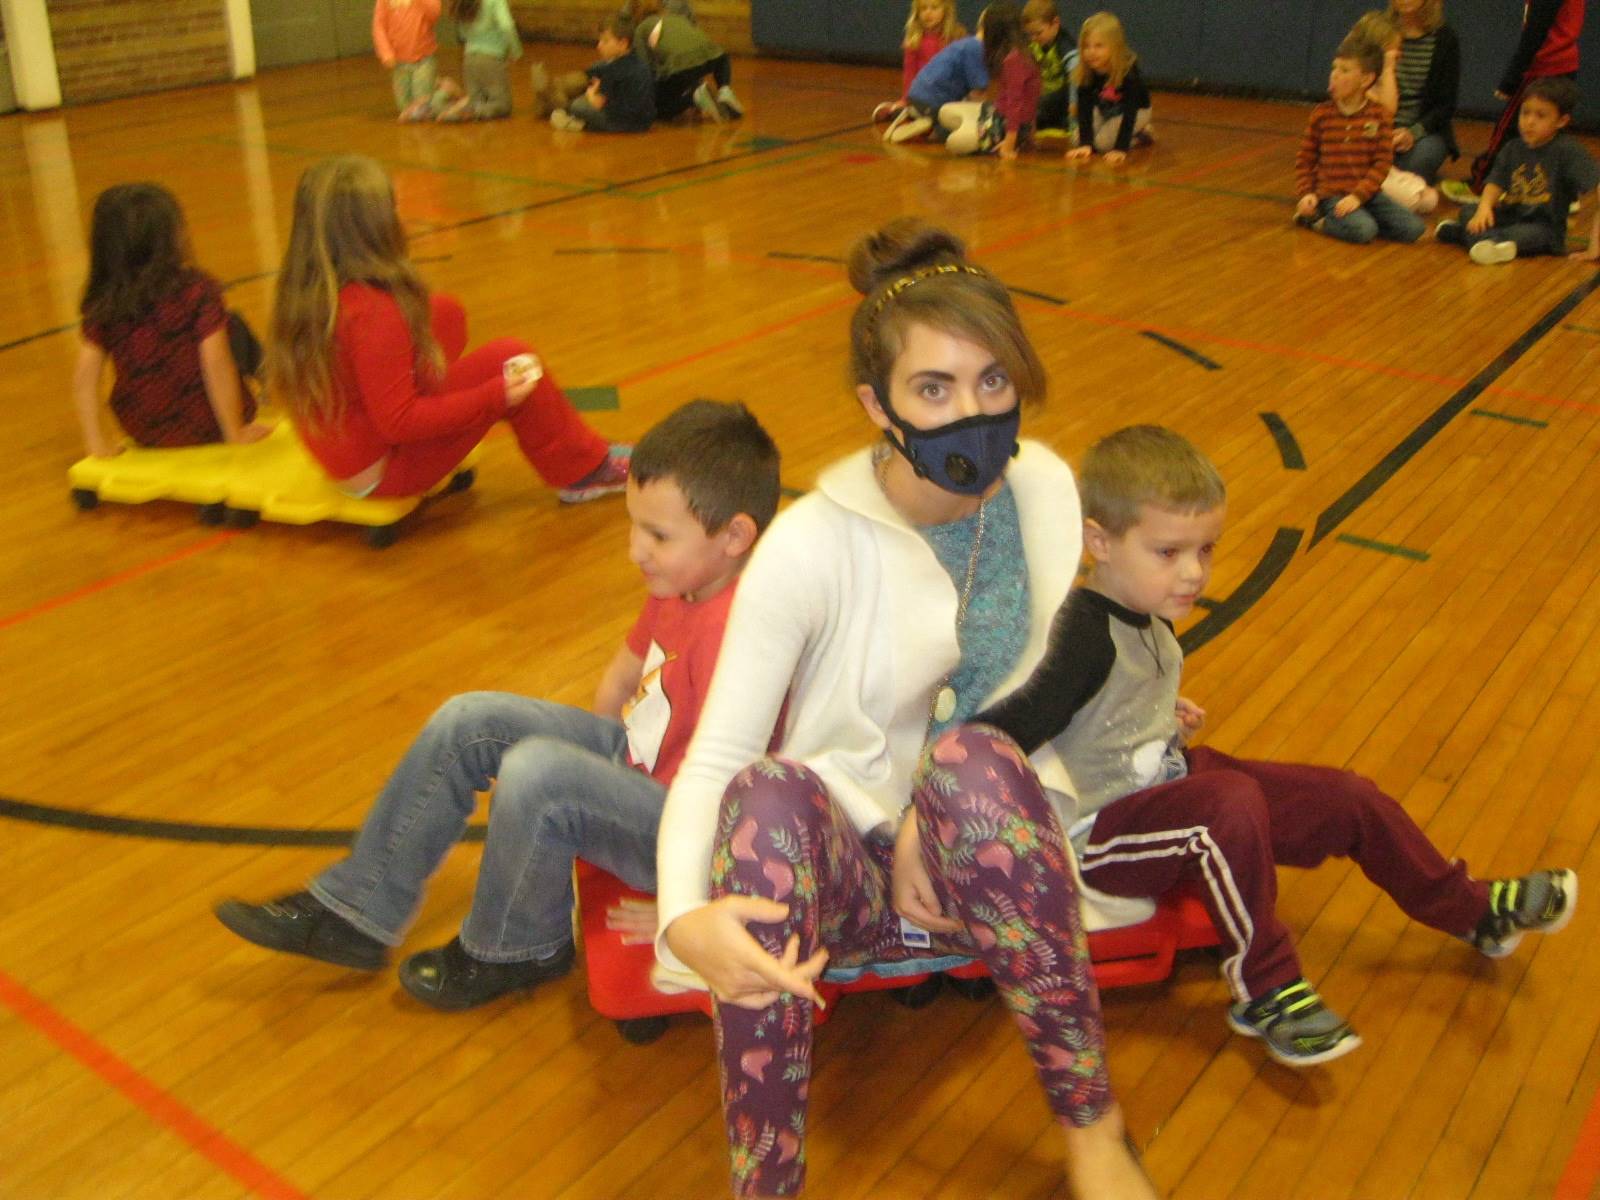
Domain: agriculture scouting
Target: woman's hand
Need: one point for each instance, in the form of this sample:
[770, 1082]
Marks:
[1115, 158]
[1080, 154]
[1346, 206]
[713, 942]
[914, 897]
[1307, 205]
[1403, 140]
[255, 431]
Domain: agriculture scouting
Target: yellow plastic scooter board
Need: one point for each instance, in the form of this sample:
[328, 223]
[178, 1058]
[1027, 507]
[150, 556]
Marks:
[275, 479]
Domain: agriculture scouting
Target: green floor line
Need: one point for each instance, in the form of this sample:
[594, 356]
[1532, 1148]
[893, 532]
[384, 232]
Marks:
[1383, 547]
[1500, 416]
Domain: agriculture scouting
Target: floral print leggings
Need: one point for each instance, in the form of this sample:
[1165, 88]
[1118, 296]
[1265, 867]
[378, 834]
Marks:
[993, 847]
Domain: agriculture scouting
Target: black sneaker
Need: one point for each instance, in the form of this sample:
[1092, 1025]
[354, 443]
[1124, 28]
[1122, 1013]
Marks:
[1451, 232]
[1299, 1029]
[1537, 903]
[299, 923]
[451, 979]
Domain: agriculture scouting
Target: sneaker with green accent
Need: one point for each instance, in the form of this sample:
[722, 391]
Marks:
[1539, 903]
[1299, 1029]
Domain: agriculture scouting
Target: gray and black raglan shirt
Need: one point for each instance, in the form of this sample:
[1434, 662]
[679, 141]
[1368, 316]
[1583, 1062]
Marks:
[1105, 696]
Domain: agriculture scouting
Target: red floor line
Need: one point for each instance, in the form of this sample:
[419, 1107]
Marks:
[1578, 1181]
[159, 1106]
[111, 581]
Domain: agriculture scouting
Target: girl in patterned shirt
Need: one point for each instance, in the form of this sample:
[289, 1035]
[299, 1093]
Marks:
[179, 356]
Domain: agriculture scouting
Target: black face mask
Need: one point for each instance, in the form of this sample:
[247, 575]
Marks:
[965, 456]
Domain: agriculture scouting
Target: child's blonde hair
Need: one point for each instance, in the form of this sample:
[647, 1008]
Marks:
[950, 29]
[345, 230]
[1430, 17]
[1110, 31]
[1145, 464]
[1377, 28]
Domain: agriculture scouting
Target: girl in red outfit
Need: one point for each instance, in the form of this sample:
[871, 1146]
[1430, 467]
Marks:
[931, 27]
[371, 366]
[176, 350]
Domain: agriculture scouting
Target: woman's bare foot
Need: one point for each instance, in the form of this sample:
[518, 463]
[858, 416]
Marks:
[1101, 1164]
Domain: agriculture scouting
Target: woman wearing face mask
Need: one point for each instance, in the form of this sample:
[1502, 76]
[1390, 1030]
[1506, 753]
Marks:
[878, 613]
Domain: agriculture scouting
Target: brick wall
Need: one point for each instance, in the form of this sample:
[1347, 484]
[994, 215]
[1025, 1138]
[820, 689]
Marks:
[108, 48]
[727, 22]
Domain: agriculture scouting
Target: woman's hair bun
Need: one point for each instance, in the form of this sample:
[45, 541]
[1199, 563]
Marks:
[903, 245]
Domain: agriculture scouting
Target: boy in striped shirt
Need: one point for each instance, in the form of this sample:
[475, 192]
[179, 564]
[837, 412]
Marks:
[1347, 150]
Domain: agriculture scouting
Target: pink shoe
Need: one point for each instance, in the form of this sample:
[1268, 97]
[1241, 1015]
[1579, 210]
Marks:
[610, 477]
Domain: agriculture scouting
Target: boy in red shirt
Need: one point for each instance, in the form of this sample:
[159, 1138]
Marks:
[1347, 150]
[567, 783]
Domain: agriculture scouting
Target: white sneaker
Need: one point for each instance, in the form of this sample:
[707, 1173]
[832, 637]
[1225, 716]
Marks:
[562, 119]
[1492, 254]
[707, 104]
[729, 102]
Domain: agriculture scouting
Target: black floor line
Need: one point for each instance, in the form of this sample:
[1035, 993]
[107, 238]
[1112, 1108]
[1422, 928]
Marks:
[1188, 352]
[623, 184]
[1288, 447]
[184, 831]
[1335, 514]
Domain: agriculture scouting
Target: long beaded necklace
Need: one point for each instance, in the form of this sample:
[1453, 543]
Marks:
[943, 705]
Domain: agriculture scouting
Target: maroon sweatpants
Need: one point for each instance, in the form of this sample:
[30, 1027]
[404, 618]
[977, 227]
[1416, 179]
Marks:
[1230, 821]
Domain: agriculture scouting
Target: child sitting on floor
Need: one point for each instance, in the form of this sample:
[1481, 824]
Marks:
[1151, 813]
[371, 366]
[1113, 101]
[616, 95]
[1057, 59]
[179, 356]
[1536, 179]
[567, 783]
[1345, 154]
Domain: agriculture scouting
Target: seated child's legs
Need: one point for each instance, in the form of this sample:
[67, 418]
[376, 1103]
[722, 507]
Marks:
[961, 121]
[1425, 157]
[1106, 132]
[422, 809]
[1211, 828]
[1317, 813]
[1395, 222]
[1530, 237]
[1359, 226]
[484, 76]
[560, 795]
[994, 849]
[1053, 109]
[586, 112]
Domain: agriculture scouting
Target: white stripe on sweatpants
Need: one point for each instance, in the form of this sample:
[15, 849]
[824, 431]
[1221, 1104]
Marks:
[1167, 843]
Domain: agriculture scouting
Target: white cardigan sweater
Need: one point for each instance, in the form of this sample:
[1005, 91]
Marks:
[844, 611]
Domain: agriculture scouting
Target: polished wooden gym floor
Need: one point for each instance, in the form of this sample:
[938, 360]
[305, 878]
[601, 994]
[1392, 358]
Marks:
[1407, 587]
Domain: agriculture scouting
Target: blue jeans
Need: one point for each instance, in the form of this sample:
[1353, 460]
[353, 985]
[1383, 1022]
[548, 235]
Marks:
[562, 788]
[1426, 156]
[1531, 237]
[1378, 217]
